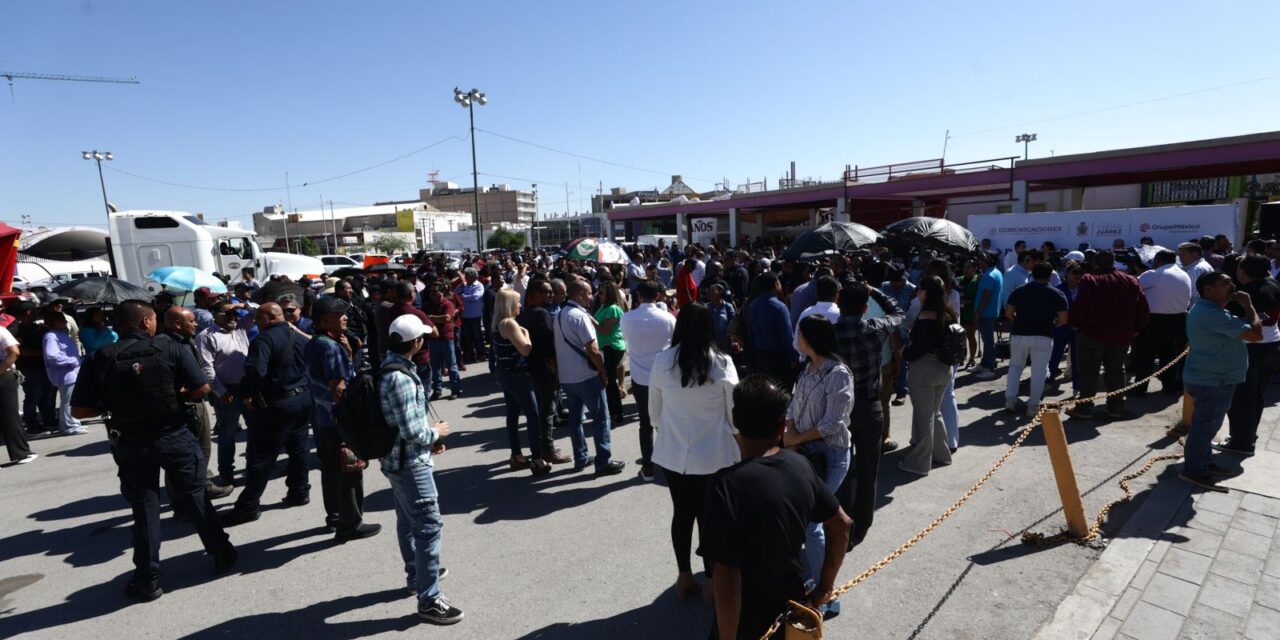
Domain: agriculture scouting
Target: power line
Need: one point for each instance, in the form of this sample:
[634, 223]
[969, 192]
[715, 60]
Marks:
[578, 155]
[284, 187]
[1120, 106]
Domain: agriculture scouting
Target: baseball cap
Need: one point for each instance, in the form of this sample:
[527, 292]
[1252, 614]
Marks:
[325, 305]
[1074, 255]
[204, 294]
[406, 328]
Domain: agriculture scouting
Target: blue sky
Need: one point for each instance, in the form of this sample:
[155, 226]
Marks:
[236, 94]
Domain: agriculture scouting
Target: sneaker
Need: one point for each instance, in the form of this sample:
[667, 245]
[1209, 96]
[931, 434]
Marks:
[30, 458]
[899, 400]
[1179, 430]
[1032, 411]
[646, 473]
[984, 374]
[613, 468]
[364, 530]
[412, 588]
[888, 445]
[1227, 446]
[440, 612]
[143, 592]
[1203, 480]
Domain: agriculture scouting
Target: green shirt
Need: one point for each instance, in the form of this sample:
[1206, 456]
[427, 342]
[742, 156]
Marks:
[613, 339]
[1218, 356]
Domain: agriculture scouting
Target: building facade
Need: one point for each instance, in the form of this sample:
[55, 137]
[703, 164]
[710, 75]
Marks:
[352, 229]
[498, 203]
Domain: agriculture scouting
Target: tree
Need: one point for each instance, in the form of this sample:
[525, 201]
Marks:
[388, 244]
[308, 247]
[505, 239]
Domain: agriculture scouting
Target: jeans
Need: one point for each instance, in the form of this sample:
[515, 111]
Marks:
[544, 391]
[418, 527]
[226, 427]
[987, 328]
[283, 426]
[444, 358]
[66, 423]
[1211, 402]
[472, 339]
[641, 394]
[140, 460]
[928, 380]
[1064, 337]
[1095, 355]
[1039, 348]
[815, 539]
[38, 400]
[588, 394]
[424, 374]
[1250, 396]
[519, 396]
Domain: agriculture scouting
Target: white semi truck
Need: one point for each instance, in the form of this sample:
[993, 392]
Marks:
[143, 241]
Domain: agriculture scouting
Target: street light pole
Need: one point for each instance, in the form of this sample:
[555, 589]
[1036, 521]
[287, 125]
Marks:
[1026, 139]
[469, 100]
[99, 156]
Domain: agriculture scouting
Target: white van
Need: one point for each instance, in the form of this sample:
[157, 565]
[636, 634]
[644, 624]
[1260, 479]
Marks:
[143, 241]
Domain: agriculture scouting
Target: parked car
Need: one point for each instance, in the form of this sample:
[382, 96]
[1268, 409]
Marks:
[334, 262]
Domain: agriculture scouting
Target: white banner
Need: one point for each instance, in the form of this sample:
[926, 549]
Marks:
[1167, 226]
[704, 230]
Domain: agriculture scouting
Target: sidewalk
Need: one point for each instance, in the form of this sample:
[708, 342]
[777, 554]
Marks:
[1189, 564]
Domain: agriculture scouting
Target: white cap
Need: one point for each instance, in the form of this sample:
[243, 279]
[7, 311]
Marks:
[407, 328]
[1075, 255]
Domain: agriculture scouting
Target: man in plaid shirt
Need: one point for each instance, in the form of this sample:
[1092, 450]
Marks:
[408, 468]
[861, 341]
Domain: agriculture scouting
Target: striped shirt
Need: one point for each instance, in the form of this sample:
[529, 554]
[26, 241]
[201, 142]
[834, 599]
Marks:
[823, 400]
[404, 404]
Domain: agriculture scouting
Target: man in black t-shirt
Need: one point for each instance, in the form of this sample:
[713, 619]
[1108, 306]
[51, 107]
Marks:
[755, 516]
[1254, 275]
[1036, 308]
[542, 362]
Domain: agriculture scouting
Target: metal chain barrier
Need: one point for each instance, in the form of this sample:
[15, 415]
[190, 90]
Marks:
[1045, 407]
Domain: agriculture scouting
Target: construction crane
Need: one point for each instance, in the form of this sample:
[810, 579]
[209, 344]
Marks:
[11, 75]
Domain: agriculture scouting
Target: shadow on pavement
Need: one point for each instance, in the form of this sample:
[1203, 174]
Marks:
[312, 621]
[501, 495]
[87, 450]
[666, 618]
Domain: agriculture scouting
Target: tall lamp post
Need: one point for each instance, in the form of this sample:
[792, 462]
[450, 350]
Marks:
[99, 156]
[1026, 139]
[468, 100]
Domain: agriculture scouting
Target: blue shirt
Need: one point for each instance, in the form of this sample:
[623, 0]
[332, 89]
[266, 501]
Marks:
[472, 299]
[1218, 356]
[326, 360]
[769, 326]
[722, 316]
[92, 338]
[992, 281]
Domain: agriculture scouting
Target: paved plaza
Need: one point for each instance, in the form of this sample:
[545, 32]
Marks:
[570, 556]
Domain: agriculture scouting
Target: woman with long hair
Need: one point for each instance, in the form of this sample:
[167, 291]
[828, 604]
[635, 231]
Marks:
[928, 379]
[609, 309]
[690, 404]
[818, 419]
[511, 344]
[949, 409]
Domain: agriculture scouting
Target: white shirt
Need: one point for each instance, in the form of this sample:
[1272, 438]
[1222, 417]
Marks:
[913, 311]
[647, 330]
[699, 271]
[1010, 259]
[575, 326]
[1194, 271]
[828, 310]
[695, 424]
[6, 339]
[1168, 289]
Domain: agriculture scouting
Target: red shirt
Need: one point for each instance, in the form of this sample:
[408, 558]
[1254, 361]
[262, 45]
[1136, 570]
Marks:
[443, 308]
[401, 308]
[1110, 307]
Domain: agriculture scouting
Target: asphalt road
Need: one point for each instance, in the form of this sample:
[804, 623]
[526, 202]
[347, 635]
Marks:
[564, 556]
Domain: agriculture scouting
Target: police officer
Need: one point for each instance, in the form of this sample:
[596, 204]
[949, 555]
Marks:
[141, 382]
[278, 409]
[180, 325]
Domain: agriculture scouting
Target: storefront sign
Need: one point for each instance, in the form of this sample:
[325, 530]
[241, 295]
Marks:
[1167, 226]
[705, 230]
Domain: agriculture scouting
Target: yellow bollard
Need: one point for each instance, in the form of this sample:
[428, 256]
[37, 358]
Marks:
[1188, 408]
[1060, 456]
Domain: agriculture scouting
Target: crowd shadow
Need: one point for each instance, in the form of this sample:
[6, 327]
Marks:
[496, 496]
[312, 621]
[88, 450]
[666, 617]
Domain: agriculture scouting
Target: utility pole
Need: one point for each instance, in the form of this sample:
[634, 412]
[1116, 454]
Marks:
[468, 101]
[537, 233]
[333, 221]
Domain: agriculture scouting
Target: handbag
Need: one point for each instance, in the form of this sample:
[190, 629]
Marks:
[802, 623]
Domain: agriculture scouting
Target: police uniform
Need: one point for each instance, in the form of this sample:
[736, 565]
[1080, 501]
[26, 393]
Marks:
[147, 423]
[198, 411]
[275, 380]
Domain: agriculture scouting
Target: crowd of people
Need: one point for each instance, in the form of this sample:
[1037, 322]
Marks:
[763, 388]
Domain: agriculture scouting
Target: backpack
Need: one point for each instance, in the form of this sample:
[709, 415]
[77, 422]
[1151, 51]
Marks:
[138, 387]
[954, 345]
[359, 416]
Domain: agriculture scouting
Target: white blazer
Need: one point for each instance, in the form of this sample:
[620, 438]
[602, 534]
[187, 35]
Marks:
[695, 424]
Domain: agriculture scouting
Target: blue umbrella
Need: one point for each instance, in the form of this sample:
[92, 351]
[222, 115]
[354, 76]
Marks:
[187, 279]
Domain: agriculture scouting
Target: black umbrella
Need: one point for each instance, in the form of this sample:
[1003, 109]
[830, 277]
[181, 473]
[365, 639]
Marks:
[387, 266]
[933, 233]
[832, 237]
[274, 289]
[347, 272]
[101, 290]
